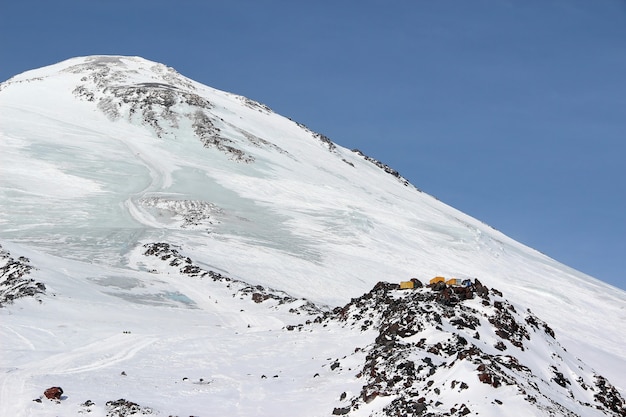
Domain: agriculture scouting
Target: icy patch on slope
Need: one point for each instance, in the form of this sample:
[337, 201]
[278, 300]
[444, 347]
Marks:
[39, 177]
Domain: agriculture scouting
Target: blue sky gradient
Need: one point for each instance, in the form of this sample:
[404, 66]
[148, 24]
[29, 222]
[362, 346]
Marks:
[511, 111]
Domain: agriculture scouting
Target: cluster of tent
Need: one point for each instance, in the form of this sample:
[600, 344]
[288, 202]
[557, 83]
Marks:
[453, 282]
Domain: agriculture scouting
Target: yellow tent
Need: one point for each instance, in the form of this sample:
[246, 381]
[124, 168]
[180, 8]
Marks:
[437, 279]
[405, 285]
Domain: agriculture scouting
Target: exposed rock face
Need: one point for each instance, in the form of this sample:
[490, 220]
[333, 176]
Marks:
[14, 280]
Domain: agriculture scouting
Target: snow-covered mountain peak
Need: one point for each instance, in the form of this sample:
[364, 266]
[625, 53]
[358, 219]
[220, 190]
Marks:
[107, 70]
[148, 94]
[146, 218]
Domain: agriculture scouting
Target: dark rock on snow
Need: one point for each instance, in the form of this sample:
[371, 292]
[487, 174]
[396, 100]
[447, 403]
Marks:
[53, 393]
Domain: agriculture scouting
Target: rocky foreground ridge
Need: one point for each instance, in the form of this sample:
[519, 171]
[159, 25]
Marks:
[442, 350]
[436, 350]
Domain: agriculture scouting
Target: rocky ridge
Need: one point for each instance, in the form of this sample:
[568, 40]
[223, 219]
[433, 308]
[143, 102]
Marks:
[274, 299]
[439, 347]
[14, 279]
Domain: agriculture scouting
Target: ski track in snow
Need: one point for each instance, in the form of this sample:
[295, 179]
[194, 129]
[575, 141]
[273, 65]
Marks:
[88, 358]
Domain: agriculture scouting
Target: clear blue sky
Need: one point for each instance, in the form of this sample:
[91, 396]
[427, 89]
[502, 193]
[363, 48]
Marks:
[513, 111]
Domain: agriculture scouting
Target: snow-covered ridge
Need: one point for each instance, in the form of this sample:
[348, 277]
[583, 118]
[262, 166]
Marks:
[157, 96]
[183, 265]
[163, 104]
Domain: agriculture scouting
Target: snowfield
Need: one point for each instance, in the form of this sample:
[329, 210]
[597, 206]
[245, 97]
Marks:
[193, 253]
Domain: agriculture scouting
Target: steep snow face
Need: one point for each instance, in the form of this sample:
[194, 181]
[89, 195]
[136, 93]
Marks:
[101, 155]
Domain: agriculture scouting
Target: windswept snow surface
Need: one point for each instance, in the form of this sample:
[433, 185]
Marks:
[101, 155]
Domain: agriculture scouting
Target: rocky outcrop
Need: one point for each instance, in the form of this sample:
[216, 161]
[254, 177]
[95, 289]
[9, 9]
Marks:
[125, 408]
[14, 279]
[439, 343]
[384, 167]
[186, 214]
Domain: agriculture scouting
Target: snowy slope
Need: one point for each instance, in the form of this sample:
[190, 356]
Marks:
[100, 156]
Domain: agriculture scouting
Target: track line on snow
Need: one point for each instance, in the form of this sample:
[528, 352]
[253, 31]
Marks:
[12, 384]
[93, 356]
[96, 355]
[27, 342]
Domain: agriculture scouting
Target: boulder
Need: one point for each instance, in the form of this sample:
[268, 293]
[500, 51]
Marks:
[53, 393]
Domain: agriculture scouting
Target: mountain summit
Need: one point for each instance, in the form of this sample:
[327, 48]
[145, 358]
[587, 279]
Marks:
[168, 248]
